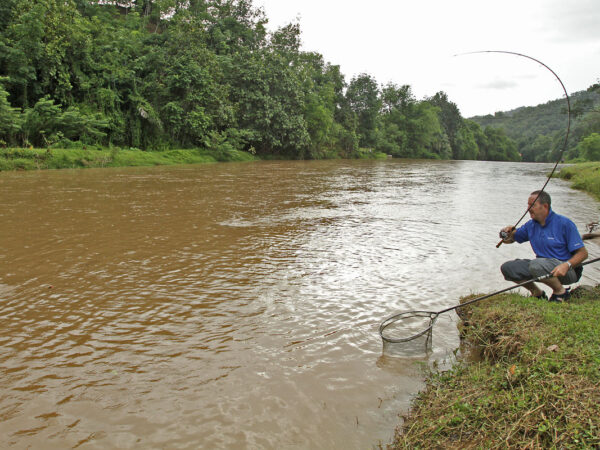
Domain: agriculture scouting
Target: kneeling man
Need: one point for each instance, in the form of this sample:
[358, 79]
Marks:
[557, 245]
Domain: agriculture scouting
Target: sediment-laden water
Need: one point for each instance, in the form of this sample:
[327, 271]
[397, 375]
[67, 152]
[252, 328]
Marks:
[237, 305]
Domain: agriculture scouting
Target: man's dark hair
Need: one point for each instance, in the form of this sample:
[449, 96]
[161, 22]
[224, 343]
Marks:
[543, 197]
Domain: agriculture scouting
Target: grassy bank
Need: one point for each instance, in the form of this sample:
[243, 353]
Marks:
[31, 159]
[56, 158]
[537, 384]
[584, 176]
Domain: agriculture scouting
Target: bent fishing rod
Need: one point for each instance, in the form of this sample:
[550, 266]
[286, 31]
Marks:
[564, 147]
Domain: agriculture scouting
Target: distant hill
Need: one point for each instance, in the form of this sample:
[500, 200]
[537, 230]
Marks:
[539, 130]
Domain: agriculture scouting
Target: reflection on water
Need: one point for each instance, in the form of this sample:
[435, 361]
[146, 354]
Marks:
[237, 305]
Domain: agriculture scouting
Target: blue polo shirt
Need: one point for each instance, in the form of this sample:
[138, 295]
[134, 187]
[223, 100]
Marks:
[558, 238]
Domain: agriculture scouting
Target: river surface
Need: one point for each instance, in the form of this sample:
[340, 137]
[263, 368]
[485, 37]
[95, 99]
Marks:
[237, 305]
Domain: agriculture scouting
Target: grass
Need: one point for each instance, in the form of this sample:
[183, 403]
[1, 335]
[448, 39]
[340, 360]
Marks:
[367, 153]
[32, 159]
[583, 176]
[78, 157]
[536, 385]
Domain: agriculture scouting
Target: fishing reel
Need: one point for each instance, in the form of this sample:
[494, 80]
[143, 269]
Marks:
[505, 234]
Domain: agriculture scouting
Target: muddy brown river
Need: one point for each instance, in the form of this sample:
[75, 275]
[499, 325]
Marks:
[235, 305]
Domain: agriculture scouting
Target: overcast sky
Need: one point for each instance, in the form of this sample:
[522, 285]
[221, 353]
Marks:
[414, 42]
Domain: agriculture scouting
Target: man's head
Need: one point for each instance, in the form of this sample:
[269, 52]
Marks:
[541, 208]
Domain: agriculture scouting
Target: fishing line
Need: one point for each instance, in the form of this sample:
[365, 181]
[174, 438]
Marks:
[564, 147]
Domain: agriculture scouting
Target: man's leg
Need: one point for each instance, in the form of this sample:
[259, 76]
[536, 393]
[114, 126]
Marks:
[518, 271]
[542, 266]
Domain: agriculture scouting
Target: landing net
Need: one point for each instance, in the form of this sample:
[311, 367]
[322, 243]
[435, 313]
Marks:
[410, 326]
[416, 327]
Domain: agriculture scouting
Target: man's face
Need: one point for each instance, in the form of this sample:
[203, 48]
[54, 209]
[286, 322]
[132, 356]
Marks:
[538, 212]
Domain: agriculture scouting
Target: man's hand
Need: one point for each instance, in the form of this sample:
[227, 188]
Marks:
[577, 258]
[507, 234]
[560, 270]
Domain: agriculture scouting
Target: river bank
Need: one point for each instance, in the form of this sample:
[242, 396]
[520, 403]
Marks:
[535, 380]
[36, 159]
[583, 176]
[56, 158]
[536, 385]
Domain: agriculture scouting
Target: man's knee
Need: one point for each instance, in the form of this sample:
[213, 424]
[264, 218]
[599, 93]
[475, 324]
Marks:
[516, 270]
[541, 266]
[504, 268]
[510, 270]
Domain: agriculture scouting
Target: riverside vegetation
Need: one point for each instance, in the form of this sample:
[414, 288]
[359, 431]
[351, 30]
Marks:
[537, 382]
[28, 159]
[584, 176]
[157, 75]
[539, 131]
[84, 157]
[207, 77]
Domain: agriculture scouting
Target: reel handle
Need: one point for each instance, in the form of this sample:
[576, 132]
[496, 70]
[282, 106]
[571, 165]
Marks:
[503, 235]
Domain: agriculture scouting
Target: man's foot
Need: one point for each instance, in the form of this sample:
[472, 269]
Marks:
[542, 296]
[559, 298]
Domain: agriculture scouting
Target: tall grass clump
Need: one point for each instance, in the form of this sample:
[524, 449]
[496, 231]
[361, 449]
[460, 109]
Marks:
[536, 383]
[583, 176]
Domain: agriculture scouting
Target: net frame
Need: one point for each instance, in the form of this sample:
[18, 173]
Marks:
[432, 316]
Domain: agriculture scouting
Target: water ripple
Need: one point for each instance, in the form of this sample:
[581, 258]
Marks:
[237, 305]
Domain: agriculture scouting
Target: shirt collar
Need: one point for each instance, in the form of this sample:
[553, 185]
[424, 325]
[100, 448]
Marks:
[549, 217]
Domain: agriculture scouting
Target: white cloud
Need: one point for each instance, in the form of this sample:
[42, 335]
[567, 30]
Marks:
[499, 84]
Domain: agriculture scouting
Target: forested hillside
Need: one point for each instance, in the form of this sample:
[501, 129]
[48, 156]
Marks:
[164, 74]
[539, 131]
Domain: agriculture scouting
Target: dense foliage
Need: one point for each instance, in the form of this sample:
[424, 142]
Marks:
[162, 74]
[539, 131]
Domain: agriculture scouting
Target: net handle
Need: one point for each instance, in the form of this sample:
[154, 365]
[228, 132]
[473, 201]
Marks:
[540, 278]
[434, 315]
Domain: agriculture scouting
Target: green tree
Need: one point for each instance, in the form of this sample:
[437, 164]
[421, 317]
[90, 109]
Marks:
[40, 122]
[45, 123]
[10, 119]
[539, 149]
[43, 44]
[267, 89]
[466, 143]
[450, 119]
[498, 146]
[363, 99]
[426, 134]
[589, 147]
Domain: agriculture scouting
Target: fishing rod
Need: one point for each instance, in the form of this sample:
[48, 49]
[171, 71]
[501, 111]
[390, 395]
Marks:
[564, 147]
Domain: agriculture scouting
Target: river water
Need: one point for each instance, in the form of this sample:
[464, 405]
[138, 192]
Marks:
[237, 305]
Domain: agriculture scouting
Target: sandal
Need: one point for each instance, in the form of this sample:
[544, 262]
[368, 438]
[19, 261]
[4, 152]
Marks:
[560, 298]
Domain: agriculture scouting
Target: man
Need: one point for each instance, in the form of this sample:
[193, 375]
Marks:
[557, 245]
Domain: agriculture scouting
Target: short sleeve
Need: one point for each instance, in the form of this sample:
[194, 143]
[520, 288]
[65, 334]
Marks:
[522, 233]
[574, 241]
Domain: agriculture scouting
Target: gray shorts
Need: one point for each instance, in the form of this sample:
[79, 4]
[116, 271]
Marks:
[524, 269]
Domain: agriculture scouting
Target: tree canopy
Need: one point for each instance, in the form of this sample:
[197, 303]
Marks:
[160, 74]
[539, 131]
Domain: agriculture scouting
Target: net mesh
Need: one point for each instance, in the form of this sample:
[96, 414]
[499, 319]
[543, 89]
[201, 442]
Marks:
[408, 349]
[412, 329]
